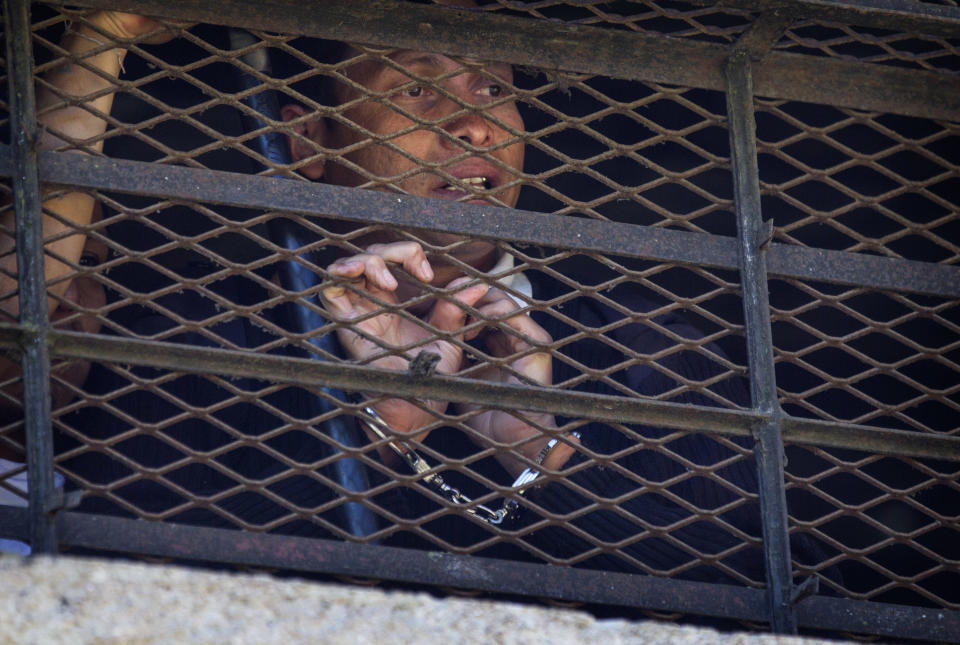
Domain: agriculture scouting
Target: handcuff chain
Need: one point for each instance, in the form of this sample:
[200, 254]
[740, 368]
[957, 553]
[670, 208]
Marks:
[420, 467]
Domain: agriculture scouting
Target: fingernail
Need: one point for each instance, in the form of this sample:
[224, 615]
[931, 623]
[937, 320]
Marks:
[426, 269]
[387, 278]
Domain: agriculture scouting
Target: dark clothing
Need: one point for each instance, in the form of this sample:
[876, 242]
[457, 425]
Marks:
[281, 418]
[196, 413]
[632, 454]
[629, 454]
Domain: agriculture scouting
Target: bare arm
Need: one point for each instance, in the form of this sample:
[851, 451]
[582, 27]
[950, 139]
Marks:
[65, 125]
[61, 125]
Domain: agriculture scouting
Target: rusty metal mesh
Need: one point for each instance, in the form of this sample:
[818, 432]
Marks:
[677, 19]
[886, 185]
[870, 183]
[891, 522]
[596, 147]
[882, 46]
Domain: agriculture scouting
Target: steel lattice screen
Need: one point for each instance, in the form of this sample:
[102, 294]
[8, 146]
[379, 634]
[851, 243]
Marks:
[626, 227]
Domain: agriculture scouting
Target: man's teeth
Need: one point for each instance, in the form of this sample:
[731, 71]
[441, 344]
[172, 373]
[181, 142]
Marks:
[476, 182]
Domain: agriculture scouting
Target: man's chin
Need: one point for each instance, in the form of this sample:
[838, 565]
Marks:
[480, 254]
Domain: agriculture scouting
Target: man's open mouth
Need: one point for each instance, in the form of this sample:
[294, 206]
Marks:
[470, 182]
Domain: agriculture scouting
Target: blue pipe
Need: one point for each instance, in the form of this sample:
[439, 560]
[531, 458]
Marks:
[348, 472]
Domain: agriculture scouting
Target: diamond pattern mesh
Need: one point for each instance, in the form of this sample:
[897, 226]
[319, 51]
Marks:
[239, 452]
[677, 19]
[882, 46]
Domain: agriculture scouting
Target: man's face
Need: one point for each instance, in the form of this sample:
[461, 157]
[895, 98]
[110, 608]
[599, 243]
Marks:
[476, 157]
[475, 86]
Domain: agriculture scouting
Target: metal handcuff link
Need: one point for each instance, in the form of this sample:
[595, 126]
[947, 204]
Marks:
[420, 467]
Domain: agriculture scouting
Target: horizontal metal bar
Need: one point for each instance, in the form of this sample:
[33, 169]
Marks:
[306, 372]
[870, 439]
[863, 86]
[860, 269]
[369, 206]
[578, 48]
[13, 336]
[321, 200]
[485, 574]
[882, 619]
[615, 409]
[405, 565]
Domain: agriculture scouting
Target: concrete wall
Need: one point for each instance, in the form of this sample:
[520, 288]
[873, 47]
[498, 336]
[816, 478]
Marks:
[47, 601]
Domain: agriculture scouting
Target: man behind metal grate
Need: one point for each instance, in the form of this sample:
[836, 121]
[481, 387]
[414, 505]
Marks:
[430, 142]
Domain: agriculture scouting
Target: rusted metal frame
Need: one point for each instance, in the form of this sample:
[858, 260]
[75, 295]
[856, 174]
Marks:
[34, 318]
[307, 372]
[497, 576]
[577, 48]
[768, 444]
[862, 270]
[766, 31]
[882, 619]
[903, 443]
[613, 409]
[615, 238]
[895, 15]
[405, 565]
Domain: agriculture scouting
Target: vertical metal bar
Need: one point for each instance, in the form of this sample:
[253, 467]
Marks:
[763, 389]
[35, 359]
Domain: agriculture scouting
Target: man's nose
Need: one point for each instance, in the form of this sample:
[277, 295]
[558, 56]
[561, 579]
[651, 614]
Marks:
[71, 296]
[472, 128]
[64, 307]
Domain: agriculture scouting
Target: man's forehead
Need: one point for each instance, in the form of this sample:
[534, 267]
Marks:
[429, 63]
[410, 57]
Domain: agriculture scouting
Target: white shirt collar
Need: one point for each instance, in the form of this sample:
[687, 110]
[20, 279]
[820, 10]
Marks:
[516, 281]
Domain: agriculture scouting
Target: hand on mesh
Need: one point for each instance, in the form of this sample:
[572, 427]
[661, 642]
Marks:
[374, 335]
[129, 25]
[510, 337]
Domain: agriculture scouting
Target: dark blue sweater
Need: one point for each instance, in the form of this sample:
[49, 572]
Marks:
[626, 526]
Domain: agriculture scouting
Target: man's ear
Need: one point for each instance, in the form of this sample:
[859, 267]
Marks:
[314, 130]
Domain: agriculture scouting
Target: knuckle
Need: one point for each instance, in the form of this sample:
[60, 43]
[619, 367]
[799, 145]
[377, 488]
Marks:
[375, 262]
[541, 335]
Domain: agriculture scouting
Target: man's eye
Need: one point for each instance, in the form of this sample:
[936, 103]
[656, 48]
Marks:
[89, 260]
[413, 92]
[493, 90]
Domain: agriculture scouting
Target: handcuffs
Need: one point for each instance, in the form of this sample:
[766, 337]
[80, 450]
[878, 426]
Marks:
[420, 467]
